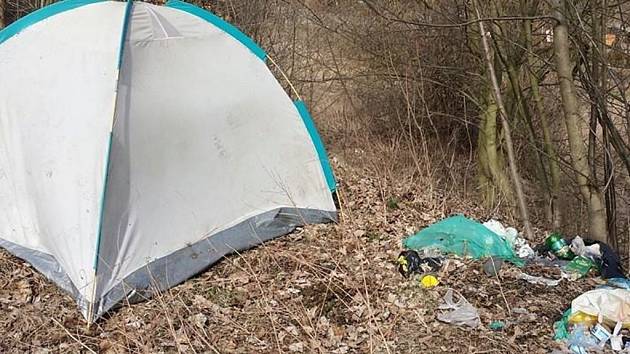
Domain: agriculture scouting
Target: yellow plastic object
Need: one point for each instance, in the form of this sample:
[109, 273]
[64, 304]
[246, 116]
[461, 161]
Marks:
[583, 318]
[429, 281]
[612, 306]
[590, 320]
[402, 261]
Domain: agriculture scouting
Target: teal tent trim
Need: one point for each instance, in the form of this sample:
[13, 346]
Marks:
[125, 29]
[121, 48]
[101, 215]
[319, 145]
[220, 23]
[40, 15]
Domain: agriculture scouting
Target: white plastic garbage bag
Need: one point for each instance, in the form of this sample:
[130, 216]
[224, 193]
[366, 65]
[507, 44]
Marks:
[609, 305]
[523, 249]
[463, 313]
[510, 234]
[579, 248]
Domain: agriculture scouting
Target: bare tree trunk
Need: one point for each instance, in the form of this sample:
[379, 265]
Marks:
[491, 174]
[484, 173]
[579, 155]
[516, 179]
[550, 151]
[600, 80]
[523, 111]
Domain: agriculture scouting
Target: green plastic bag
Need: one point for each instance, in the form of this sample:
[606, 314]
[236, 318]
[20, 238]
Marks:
[561, 327]
[463, 237]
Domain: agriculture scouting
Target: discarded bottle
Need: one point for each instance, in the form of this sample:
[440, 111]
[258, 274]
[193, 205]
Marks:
[559, 246]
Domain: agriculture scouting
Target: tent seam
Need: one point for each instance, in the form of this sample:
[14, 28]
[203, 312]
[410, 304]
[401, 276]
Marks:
[125, 26]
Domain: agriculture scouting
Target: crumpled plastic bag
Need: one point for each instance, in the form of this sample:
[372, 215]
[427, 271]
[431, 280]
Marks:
[581, 341]
[523, 249]
[580, 249]
[510, 234]
[611, 306]
[463, 237]
[463, 313]
[622, 283]
[561, 327]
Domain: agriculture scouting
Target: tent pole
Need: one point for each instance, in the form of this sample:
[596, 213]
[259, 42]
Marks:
[123, 36]
[297, 95]
[91, 303]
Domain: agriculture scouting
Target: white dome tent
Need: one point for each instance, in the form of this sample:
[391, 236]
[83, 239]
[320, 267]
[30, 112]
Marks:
[139, 144]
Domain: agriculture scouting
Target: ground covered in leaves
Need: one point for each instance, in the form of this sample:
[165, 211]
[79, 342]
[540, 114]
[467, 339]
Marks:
[325, 288]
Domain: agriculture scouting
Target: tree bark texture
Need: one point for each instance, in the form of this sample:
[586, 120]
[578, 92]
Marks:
[579, 156]
[550, 151]
[516, 179]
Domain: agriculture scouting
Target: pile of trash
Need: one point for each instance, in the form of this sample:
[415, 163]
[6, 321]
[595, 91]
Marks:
[463, 237]
[597, 318]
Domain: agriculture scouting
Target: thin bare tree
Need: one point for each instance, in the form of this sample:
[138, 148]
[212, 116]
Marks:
[579, 155]
[515, 176]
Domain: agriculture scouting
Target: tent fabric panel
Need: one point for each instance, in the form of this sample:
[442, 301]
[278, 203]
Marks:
[40, 15]
[220, 23]
[52, 144]
[319, 144]
[205, 138]
[178, 266]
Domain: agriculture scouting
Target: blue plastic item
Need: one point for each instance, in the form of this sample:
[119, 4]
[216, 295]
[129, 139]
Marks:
[463, 237]
[621, 283]
[581, 341]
